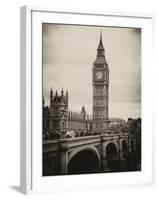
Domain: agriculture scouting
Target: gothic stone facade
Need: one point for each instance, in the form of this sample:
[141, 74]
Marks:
[58, 118]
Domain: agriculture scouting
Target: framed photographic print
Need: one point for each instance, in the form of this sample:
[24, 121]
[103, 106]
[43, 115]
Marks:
[86, 100]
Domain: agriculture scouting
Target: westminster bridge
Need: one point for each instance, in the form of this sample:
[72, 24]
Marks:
[91, 154]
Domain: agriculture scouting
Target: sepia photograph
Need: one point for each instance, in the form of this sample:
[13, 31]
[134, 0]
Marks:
[91, 103]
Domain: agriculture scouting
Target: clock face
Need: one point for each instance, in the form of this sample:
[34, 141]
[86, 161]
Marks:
[99, 75]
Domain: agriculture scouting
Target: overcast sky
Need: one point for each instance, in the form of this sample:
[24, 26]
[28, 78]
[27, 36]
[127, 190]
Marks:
[68, 55]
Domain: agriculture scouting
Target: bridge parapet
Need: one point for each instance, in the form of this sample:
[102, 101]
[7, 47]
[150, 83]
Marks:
[67, 143]
[84, 140]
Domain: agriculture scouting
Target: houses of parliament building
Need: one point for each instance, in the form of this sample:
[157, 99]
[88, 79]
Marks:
[58, 119]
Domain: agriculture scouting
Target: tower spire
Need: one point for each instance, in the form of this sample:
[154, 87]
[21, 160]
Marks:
[100, 34]
[100, 46]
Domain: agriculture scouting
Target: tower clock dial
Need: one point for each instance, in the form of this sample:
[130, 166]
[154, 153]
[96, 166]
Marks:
[99, 75]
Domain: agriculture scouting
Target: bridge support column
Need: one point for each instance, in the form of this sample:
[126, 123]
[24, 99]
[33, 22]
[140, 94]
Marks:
[103, 159]
[104, 164]
[64, 162]
[120, 153]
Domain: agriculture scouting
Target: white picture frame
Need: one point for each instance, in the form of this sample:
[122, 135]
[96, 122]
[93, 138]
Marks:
[31, 93]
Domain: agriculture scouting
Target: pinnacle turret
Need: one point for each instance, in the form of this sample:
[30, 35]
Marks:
[51, 93]
[62, 92]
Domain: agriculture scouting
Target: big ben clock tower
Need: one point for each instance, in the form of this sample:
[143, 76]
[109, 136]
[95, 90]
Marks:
[100, 81]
